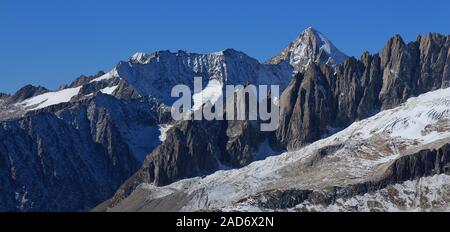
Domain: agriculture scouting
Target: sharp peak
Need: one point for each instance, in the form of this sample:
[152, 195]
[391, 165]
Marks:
[397, 37]
[310, 45]
[310, 29]
[312, 32]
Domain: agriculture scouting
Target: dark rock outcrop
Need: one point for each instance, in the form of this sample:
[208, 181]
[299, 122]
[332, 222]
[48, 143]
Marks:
[26, 92]
[305, 107]
[357, 89]
[414, 68]
[194, 148]
[73, 157]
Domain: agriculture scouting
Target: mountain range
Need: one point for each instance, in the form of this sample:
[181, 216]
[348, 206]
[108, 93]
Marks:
[352, 131]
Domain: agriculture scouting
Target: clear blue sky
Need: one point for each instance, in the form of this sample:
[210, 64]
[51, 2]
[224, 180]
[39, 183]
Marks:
[52, 42]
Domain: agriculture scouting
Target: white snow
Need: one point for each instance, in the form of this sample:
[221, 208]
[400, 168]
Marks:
[301, 51]
[109, 90]
[139, 57]
[111, 74]
[211, 92]
[49, 99]
[411, 119]
[163, 128]
[326, 43]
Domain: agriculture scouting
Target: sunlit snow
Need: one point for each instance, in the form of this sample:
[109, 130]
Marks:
[50, 98]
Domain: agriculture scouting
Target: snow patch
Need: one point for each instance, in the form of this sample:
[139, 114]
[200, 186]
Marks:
[139, 57]
[163, 128]
[109, 90]
[49, 99]
[107, 76]
[211, 92]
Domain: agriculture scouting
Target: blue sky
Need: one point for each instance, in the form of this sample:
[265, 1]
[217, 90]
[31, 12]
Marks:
[50, 43]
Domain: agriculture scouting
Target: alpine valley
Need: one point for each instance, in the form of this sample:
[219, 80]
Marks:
[355, 134]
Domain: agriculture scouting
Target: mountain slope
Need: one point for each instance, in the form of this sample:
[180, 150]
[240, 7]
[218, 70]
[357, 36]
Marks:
[397, 145]
[71, 157]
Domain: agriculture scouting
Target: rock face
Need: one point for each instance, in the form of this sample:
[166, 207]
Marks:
[195, 148]
[390, 150]
[310, 46]
[321, 98]
[71, 157]
[82, 80]
[306, 106]
[319, 101]
[411, 69]
[27, 92]
[155, 74]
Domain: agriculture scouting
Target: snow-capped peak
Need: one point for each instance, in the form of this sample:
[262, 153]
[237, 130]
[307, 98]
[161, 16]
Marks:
[310, 46]
[139, 57]
[325, 43]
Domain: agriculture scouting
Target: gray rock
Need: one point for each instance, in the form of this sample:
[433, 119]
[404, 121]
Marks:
[305, 108]
[26, 92]
[195, 148]
[82, 80]
[360, 88]
[71, 157]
